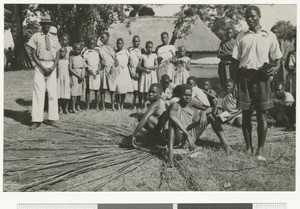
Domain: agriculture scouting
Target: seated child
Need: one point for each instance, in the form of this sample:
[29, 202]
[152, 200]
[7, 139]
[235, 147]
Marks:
[168, 88]
[284, 110]
[231, 113]
[184, 117]
[208, 116]
[155, 117]
[208, 90]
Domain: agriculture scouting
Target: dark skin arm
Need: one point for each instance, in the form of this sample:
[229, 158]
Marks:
[273, 71]
[46, 71]
[72, 72]
[148, 69]
[175, 119]
[203, 114]
[153, 107]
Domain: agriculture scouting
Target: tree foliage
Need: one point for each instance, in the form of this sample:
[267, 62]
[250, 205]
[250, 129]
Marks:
[84, 20]
[78, 20]
[140, 9]
[285, 30]
[217, 17]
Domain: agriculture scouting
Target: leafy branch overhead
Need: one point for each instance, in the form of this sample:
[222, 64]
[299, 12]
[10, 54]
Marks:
[216, 17]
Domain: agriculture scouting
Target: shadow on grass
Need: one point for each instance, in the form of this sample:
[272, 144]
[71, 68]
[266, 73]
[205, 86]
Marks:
[207, 143]
[147, 143]
[22, 117]
[23, 102]
[136, 115]
[15, 69]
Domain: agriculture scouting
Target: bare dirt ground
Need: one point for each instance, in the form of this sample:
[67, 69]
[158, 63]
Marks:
[90, 151]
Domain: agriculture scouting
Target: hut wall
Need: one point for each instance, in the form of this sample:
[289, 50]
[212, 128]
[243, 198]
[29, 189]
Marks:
[204, 58]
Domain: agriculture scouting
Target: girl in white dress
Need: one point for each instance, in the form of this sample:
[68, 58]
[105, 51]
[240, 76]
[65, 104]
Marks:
[92, 59]
[166, 54]
[147, 66]
[64, 41]
[124, 83]
[63, 82]
[135, 56]
[182, 67]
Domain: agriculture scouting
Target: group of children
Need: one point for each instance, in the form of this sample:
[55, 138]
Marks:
[98, 67]
[178, 114]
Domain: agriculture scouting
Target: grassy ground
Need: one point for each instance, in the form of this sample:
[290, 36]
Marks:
[90, 151]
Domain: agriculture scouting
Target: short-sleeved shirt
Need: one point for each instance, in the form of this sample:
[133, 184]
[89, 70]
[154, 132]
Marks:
[200, 96]
[168, 93]
[37, 42]
[253, 49]
[287, 100]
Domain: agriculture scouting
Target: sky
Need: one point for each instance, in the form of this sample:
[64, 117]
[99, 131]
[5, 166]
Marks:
[270, 14]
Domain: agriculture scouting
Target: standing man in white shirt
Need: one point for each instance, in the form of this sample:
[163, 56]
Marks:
[45, 54]
[253, 49]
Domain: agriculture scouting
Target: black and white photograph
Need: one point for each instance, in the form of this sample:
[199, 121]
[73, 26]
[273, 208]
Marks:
[149, 97]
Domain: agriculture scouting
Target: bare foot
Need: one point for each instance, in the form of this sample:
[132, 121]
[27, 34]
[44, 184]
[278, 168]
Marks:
[66, 111]
[170, 164]
[259, 152]
[73, 111]
[192, 147]
[249, 151]
[228, 150]
[78, 109]
[131, 106]
[134, 143]
[87, 108]
[261, 158]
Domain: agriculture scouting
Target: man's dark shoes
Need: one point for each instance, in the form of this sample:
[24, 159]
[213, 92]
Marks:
[35, 125]
[50, 123]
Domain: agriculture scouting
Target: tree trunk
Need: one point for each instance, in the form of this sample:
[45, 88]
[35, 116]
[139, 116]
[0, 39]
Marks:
[21, 56]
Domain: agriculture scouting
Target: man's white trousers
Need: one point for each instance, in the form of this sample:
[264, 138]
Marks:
[40, 84]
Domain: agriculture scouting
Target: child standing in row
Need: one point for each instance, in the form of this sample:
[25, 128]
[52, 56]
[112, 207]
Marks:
[147, 66]
[124, 83]
[182, 67]
[92, 59]
[135, 57]
[77, 70]
[108, 69]
[64, 41]
[63, 82]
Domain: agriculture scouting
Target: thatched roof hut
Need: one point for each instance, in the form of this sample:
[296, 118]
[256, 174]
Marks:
[201, 38]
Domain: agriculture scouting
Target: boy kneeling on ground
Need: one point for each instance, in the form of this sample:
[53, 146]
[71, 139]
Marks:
[155, 117]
